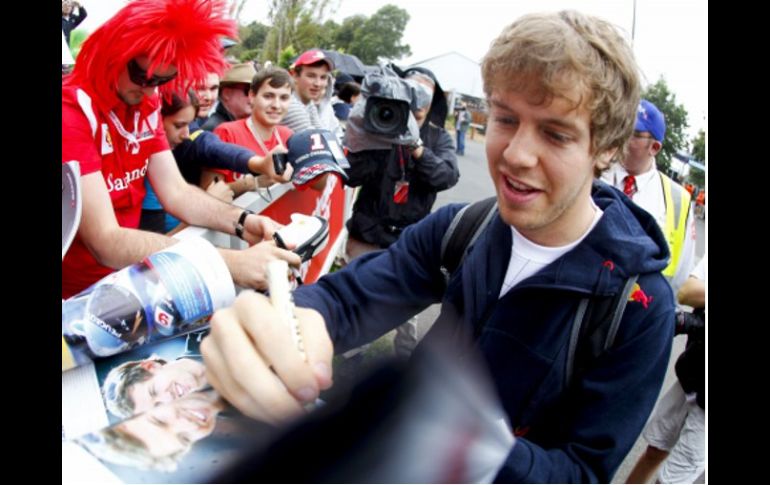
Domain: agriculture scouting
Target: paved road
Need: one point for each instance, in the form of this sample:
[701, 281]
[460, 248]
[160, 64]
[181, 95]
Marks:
[475, 184]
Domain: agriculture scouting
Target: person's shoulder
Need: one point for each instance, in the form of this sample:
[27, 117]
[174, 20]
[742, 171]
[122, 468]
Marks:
[436, 128]
[74, 102]
[226, 127]
[295, 102]
[649, 307]
[445, 214]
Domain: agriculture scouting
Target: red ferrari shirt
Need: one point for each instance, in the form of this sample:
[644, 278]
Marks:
[116, 142]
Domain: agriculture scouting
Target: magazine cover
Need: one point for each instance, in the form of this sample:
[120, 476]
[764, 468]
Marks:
[429, 421]
[116, 388]
[189, 440]
[171, 292]
[149, 416]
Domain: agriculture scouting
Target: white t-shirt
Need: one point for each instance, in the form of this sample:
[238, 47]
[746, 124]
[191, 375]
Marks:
[527, 258]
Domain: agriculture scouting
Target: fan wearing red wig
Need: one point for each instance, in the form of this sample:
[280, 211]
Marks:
[111, 124]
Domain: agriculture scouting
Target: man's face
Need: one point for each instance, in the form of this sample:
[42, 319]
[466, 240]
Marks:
[174, 427]
[642, 149]
[132, 93]
[540, 162]
[168, 383]
[311, 82]
[421, 114]
[177, 125]
[236, 100]
[207, 94]
[269, 105]
[66, 7]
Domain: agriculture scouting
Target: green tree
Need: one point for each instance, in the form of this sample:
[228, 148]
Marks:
[284, 60]
[77, 37]
[698, 177]
[380, 36]
[252, 41]
[676, 121]
[699, 147]
[296, 23]
[345, 34]
[310, 33]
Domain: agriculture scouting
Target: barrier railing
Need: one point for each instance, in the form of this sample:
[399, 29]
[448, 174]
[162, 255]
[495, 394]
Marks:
[335, 203]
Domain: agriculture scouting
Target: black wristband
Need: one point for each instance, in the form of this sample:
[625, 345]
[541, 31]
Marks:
[241, 220]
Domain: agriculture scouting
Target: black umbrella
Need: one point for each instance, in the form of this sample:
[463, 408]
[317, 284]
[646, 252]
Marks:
[347, 63]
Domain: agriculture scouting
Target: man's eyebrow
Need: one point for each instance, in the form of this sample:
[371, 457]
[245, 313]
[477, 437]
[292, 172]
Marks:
[562, 123]
[548, 121]
[498, 104]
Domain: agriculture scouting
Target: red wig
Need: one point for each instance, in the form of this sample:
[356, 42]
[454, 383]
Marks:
[182, 33]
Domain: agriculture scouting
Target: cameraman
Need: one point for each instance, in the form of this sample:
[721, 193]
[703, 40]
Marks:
[399, 186]
[676, 431]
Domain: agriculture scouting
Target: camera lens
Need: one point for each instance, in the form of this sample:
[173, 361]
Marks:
[386, 116]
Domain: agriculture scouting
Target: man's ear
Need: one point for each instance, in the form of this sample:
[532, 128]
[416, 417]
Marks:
[655, 147]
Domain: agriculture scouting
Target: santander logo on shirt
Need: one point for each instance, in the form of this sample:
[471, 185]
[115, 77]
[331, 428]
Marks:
[122, 183]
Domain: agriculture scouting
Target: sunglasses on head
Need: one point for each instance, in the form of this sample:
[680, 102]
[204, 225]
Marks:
[138, 76]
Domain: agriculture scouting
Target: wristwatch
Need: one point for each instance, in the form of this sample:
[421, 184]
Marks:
[416, 144]
[241, 220]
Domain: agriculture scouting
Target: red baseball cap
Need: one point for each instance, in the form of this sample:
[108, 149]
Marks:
[311, 57]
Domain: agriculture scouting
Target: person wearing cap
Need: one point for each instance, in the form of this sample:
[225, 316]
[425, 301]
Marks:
[638, 177]
[562, 90]
[310, 106]
[111, 124]
[269, 96]
[234, 101]
[399, 186]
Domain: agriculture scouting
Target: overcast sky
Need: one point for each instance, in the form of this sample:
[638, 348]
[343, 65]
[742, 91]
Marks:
[670, 39]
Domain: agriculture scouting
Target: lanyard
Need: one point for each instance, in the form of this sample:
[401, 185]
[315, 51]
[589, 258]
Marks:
[401, 161]
[253, 129]
[131, 142]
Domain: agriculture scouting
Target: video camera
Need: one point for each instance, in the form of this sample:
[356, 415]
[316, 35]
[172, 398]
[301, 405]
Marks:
[382, 117]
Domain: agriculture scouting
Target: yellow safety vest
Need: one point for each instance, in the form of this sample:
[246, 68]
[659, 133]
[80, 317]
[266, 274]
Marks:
[676, 197]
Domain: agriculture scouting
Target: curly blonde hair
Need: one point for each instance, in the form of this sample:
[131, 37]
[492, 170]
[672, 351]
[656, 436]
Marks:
[565, 50]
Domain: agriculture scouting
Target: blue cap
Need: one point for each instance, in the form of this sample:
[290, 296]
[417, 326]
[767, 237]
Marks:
[649, 118]
[313, 153]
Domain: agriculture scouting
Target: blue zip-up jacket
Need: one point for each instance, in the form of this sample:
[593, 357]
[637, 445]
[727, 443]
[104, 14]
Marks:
[577, 436]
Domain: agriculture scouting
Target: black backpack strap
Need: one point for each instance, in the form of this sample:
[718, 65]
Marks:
[602, 318]
[463, 231]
